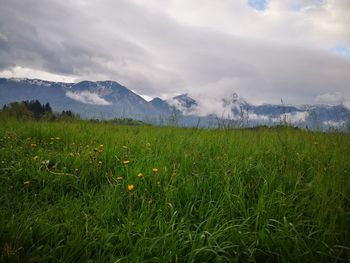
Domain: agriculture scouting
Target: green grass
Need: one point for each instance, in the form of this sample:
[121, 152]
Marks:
[265, 195]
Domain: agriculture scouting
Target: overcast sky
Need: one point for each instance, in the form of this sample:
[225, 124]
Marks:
[297, 50]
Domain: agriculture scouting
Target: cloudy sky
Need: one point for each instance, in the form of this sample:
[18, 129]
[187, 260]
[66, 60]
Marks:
[297, 50]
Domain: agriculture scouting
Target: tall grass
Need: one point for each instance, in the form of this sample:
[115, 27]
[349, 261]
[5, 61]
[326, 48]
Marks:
[265, 195]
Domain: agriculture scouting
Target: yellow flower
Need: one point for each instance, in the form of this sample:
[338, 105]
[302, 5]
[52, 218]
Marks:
[140, 175]
[126, 162]
[36, 157]
[33, 145]
[131, 187]
[155, 170]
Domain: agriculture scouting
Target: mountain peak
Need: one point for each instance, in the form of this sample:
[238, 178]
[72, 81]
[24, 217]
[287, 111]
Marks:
[185, 101]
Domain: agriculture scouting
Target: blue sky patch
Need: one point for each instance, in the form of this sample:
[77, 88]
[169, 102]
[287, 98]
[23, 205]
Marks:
[258, 4]
[342, 51]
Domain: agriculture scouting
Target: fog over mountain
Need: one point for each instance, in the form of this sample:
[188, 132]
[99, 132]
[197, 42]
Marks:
[109, 100]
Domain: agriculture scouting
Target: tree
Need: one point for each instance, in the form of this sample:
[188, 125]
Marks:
[17, 110]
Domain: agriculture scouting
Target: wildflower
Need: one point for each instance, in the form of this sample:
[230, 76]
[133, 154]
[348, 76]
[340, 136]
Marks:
[140, 175]
[33, 145]
[155, 170]
[36, 157]
[26, 184]
[126, 162]
[45, 162]
[131, 187]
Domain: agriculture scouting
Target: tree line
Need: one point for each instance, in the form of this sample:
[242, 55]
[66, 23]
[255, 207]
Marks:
[34, 110]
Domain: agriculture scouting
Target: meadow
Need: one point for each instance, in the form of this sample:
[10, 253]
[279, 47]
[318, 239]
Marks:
[92, 192]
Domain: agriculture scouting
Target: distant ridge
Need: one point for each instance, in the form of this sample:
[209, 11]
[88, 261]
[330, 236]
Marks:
[109, 99]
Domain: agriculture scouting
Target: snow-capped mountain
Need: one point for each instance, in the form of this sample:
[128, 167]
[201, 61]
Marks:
[109, 99]
[184, 103]
[100, 99]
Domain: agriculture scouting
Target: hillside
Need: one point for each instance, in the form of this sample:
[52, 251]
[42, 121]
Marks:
[95, 192]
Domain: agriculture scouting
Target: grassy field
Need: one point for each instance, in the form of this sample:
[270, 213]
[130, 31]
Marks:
[78, 192]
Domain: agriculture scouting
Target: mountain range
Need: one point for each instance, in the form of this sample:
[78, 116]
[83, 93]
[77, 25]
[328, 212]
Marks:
[109, 100]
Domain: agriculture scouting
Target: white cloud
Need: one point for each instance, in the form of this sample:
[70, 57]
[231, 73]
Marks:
[334, 98]
[258, 118]
[332, 123]
[87, 97]
[319, 23]
[20, 72]
[296, 117]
